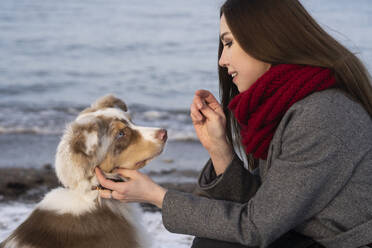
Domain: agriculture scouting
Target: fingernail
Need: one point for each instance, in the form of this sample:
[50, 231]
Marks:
[200, 105]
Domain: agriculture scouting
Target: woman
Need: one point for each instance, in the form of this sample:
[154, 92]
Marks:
[300, 105]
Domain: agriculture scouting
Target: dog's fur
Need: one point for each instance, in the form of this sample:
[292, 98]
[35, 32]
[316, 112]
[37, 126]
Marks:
[74, 215]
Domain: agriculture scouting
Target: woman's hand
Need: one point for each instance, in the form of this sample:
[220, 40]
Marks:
[210, 125]
[139, 188]
[209, 120]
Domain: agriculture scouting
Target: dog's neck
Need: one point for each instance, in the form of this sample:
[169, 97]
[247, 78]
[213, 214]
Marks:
[73, 201]
[89, 185]
[85, 186]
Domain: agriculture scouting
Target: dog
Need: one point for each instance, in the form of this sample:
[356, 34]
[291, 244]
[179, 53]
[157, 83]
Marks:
[74, 215]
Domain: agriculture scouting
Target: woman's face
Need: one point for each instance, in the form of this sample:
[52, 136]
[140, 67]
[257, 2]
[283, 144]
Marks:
[244, 69]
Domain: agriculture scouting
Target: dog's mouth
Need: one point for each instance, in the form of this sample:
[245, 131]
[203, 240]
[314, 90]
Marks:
[142, 163]
[118, 178]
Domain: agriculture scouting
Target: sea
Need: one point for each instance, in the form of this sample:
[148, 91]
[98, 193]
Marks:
[58, 57]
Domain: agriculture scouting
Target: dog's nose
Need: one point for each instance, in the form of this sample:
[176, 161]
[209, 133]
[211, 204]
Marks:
[161, 135]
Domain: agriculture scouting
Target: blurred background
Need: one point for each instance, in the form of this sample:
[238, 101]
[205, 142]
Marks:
[57, 57]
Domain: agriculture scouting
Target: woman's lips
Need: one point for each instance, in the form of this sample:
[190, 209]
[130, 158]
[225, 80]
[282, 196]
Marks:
[234, 79]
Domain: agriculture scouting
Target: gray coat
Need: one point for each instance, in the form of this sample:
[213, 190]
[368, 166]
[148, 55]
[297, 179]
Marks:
[317, 179]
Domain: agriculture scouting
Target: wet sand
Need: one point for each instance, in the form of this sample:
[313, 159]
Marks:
[29, 185]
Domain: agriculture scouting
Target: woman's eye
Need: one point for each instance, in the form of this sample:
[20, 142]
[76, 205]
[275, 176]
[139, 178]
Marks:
[228, 44]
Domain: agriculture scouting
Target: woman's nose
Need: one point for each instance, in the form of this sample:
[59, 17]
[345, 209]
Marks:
[222, 61]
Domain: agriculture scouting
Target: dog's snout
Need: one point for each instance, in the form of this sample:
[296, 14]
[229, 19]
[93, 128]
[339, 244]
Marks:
[161, 135]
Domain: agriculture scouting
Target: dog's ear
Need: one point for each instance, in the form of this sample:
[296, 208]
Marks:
[108, 101]
[85, 139]
[81, 149]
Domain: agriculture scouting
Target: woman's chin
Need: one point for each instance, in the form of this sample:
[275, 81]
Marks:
[237, 86]
[240, 89]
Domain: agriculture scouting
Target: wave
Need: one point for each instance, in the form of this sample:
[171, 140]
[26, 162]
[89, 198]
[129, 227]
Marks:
[24, 130]
[52, 120]
[173, 135]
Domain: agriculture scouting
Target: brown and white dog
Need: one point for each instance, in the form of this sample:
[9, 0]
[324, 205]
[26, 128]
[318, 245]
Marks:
[74, 216]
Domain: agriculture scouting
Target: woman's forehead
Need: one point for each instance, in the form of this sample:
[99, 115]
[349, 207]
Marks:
[224, 28]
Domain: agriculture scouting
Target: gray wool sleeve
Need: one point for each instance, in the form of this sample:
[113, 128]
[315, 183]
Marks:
[310, 169]
[235, 184]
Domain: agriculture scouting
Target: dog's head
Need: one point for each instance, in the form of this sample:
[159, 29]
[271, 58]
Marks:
[103, 135]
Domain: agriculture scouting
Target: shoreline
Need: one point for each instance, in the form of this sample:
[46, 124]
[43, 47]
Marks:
[29, 185]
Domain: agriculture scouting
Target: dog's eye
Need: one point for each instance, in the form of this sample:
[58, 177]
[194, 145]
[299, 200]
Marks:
[120, 134]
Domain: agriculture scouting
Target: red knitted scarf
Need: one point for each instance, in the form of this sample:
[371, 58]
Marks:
[259, 109]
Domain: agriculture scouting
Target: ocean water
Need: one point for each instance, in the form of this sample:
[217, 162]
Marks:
[57, 57]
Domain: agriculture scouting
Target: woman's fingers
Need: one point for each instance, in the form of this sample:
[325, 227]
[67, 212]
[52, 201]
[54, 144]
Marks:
[105, 193]
[116, 195]
[195, 111]
[198, 101]
[140, 187]
[99, 175]
[201, 106]
[107, 183]
[208, 112]
[195, 115]
[204, 97]
[207, 96]
[113, 189]
[108, 194]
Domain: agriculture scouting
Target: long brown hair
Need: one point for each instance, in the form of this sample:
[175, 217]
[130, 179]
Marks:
[283, 32]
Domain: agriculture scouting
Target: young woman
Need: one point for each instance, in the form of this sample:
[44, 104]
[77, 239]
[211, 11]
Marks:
[300, 106]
